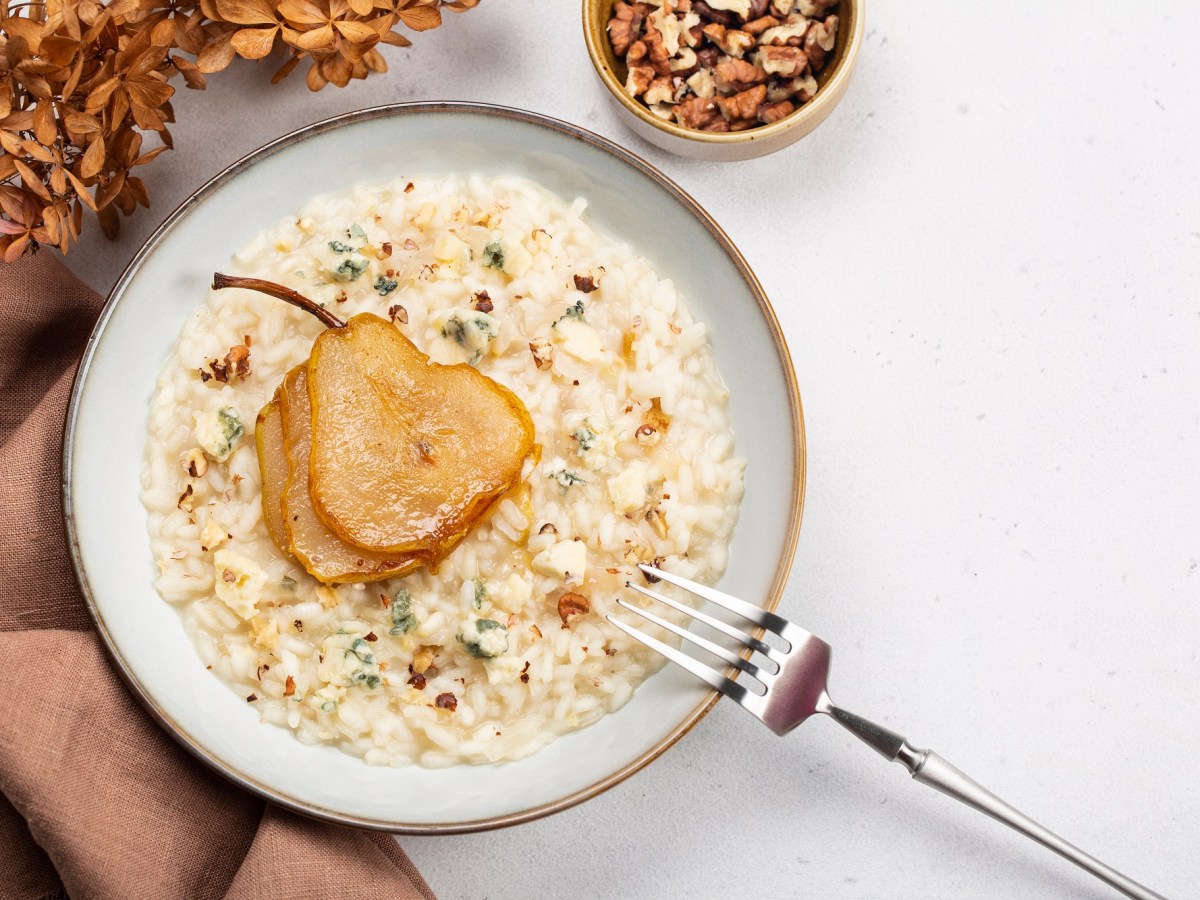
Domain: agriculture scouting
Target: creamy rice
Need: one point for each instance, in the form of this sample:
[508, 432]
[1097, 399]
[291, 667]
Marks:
[335, 663]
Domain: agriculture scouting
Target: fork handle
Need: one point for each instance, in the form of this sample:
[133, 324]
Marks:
[931, 769]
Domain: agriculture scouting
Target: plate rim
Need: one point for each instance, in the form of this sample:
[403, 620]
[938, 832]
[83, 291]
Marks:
[400, 110]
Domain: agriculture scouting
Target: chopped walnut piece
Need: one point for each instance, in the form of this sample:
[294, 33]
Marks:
[788, 62]
[186, 501]
[710, 14]
[791, 34]
[585, 284]
[697, 112]
[773, 112]
[447, 701]
[657, 53]
[417, 681]
[639, 79]
[237, 360]
[819, 41]
[572, 604]
[743, 105]
[738, 75]
[638, 51]
[661, 90]
[398, 313]
[759, 25]
[623, 27]
[731, 41]
[709, 57]
[813, 8]
[684, 64]
[483, 303]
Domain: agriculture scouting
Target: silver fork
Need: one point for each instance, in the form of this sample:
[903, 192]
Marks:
[794, 679]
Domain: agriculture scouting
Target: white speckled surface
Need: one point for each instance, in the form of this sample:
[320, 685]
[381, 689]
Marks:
[987, 263]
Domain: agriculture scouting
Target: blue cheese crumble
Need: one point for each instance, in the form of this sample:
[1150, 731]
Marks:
[348, 661]
[484, 638]
[344, 261]
[218, 432]
[403, 619]
[471, 330]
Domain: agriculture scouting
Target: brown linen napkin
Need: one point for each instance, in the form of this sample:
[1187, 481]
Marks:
[96, 800]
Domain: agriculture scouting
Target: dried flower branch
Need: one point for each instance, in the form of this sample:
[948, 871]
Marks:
[82, 83]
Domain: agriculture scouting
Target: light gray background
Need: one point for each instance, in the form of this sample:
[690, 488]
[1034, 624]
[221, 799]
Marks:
[987, 264]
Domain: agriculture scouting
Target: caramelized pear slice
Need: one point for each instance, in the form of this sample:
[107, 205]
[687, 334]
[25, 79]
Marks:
[407, 455]
[326, 556]
[272, 463]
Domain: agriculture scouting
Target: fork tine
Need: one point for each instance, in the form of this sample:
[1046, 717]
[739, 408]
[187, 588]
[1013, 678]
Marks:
[755, 614]
[703, 643]
[712, 677]
[723, 627]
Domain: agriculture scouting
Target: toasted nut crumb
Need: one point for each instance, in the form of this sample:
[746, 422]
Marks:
[585, 283]
[647, 435]
[186, 501]
[422, 659]
[548, 528]
[398, 313]
[657, 563]
[194, 462]
[289, 686]
[543, 354]
[447, 701]
[573, 604]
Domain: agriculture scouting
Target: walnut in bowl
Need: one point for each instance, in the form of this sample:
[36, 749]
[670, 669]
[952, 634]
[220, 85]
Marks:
[724, 79]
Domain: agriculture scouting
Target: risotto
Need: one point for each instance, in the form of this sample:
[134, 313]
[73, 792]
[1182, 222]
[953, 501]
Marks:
[506, 645]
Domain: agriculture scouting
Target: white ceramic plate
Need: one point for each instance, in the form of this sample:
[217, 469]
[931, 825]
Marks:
[169, 277]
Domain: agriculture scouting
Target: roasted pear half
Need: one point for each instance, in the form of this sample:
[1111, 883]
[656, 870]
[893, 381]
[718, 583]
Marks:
[407, 455]
[322, 553]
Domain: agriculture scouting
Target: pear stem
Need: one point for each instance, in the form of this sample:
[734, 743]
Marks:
[286, 294]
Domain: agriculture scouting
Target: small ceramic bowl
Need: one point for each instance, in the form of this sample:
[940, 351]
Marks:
[760, 141]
